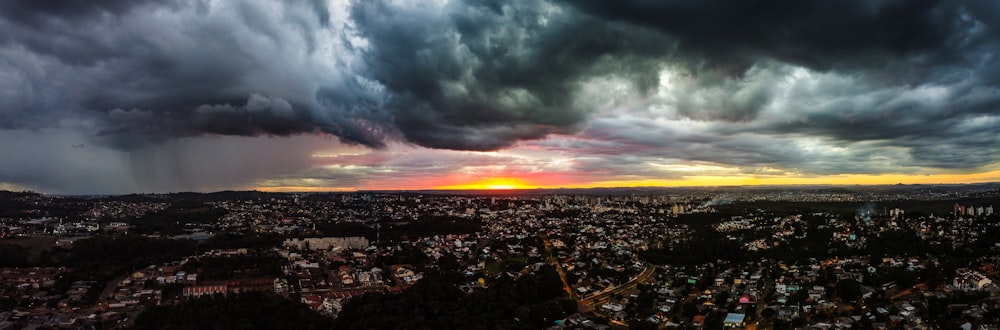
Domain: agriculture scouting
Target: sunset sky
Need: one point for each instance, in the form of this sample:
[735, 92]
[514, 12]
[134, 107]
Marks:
[102, 97]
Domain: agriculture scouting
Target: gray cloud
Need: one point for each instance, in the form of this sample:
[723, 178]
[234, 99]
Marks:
[460, 75]
[482, 75]
[822, 36]
[188, 66]
[58, 160]
[812, 87]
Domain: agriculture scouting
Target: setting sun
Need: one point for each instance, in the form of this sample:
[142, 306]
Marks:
[491, 184]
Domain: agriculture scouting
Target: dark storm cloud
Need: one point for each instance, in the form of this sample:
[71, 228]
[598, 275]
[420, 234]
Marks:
[259, 115]
[189, 67]
[820, 35]
[890, 55]
[926, 120]
[149, 88]
[469, 75]
[811, 87]
[30, 24]
[482, 75]
[27, 10]
[635, 145]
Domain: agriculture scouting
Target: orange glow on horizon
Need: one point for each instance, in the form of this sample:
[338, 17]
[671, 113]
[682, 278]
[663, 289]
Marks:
[558, 180]
[505, 183]
[839, 179]
[303, 189]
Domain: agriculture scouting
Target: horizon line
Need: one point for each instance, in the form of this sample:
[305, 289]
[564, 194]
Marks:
[513, 189]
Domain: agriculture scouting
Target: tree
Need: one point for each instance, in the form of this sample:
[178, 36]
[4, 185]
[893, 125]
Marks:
[436, 303]
[642, 325]
[13, 256]
[848, 290]
[768, 313]
[248, 310]
[448, 263]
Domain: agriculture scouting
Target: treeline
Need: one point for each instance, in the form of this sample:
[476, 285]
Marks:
[248, 310]
[13, 205]
[241, 239]
[533, 301]
[129, 250]
[13, 255]
[913, 208]
[433, 225]
[237, 267]
[397, 231]
[705, 244]
[103, 257]
[172, 220]
[700, 249]
[220, 196]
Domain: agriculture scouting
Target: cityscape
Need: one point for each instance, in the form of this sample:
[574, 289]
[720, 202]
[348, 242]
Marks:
[822, 257]
[499, 164]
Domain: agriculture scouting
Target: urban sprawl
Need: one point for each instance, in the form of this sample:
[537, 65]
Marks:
[816, 258]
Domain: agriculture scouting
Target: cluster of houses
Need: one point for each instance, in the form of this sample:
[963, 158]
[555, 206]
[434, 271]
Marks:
[95, 216]
[29, 277]
[134, 290]
[595, 241]
[807, 291]
[328, 271]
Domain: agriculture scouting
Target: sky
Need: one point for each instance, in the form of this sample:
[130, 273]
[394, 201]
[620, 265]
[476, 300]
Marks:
[132, 96]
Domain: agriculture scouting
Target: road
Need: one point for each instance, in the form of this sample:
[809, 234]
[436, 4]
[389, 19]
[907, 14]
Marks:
[588, 304]
[921, 287]
[762, 303]
[606, 294]
[551, 259]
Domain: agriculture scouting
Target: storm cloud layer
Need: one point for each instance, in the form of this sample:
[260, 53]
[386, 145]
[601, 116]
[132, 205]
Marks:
[803, 87]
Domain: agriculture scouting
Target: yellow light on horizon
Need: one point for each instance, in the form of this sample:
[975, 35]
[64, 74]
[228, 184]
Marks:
[491, 184]
[514, 183]
[304, 189]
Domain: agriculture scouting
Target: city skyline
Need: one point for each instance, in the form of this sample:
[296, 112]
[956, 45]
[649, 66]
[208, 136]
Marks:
[147, 96]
